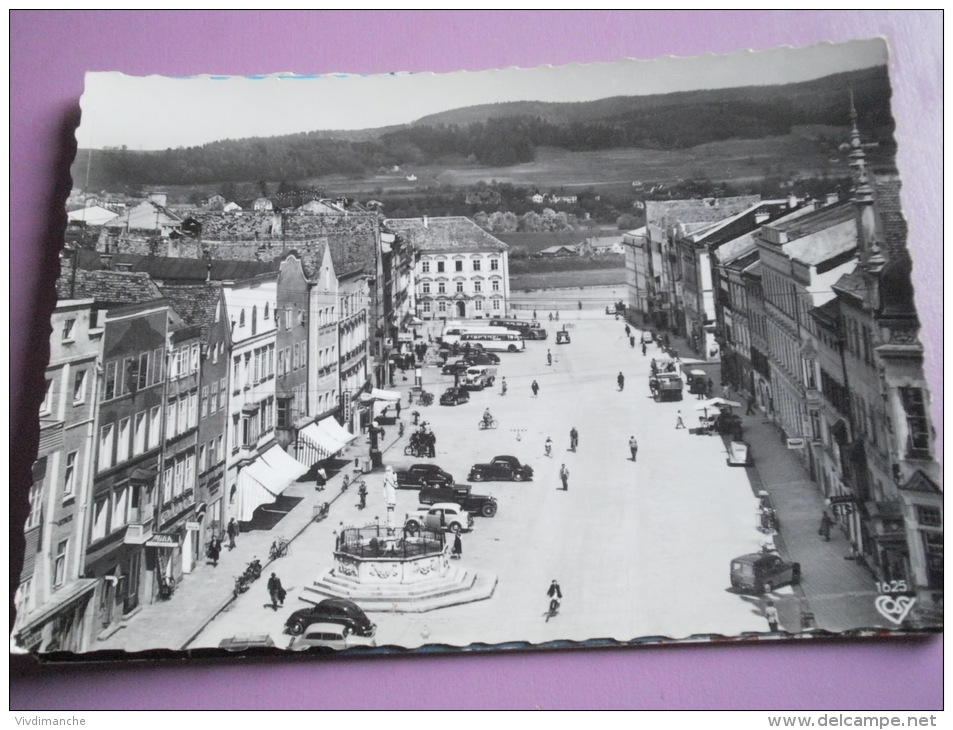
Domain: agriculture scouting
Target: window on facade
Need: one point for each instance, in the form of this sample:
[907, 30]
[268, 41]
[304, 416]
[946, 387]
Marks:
[139, 433]
[59, 563]
[69, 327]
[496, 304]
[459, 287]
[109, 385]
[494, 264]
[476, 264]
[495, 284]
[478, 305]
[458, 265]
[106, 439]
[442, 306]
[426, 306]
[425, 287]
[918, 424]
[425, 267]
[142, 375]
[478, 286]
[441, 288]
[929, 516]
[284, 412]
[441, 265]
[265, 314]
[69, 476]
[47, 405]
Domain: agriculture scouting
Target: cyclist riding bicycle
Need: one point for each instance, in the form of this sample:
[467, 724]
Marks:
[487, 418]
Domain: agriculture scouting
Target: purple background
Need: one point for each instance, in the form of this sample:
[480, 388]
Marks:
[50, 51]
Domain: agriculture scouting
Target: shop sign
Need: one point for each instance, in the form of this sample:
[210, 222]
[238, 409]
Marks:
[193, 526]
[796, 443]
[163, 540]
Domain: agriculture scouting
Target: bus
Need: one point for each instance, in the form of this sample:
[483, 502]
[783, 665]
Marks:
[530, 329]
[493, 339]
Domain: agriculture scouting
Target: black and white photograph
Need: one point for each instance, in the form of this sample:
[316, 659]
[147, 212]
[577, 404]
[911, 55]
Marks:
[607, 354]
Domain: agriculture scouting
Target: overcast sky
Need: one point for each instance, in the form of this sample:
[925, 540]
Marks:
[157, 112]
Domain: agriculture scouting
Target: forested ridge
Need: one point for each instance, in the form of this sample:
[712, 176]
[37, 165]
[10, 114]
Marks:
[508, 134]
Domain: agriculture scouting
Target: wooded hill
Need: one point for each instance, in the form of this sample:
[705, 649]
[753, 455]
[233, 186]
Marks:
[510, 133]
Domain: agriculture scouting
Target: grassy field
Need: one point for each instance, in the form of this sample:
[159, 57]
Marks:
[561, 279]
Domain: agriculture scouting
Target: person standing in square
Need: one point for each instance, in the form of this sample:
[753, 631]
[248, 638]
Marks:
[633, 447]
[232, 531]
[564, 477]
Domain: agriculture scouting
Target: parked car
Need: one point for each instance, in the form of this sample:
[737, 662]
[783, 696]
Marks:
[454, 396]
[501, 468]
[456, 366]
[763, 572]
[460, 494]
[340, 611]
[483, 358]
[418, 475]
[440, 517]
[329, 636]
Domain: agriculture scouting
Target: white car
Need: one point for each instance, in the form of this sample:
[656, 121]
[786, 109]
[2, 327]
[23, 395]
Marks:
[442, 516]
[329, 636]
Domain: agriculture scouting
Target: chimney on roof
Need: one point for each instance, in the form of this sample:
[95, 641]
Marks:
[792, 201]
[831, 199]
[158, 197]
[426, 222]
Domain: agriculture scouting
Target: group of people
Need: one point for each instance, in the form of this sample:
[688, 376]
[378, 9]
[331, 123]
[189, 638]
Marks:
[424, 441]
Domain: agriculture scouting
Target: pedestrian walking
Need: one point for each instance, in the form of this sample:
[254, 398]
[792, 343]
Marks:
[214, 550]
[549, 357]
[503, 386]
[276, 592]
[232, 531]
[628, 331]
[679, 423]
[771, 614]
[557, 315]
[826, 524]
[632, 341]
[535, 387]
[397, 407]
[534, 314]
[550, 316]
[573, 438]
[710, 388]
[644, 349]
[621, 381]
[564, 477]
[457, 549]
[633, 447]
[751, 402]
[580, 306]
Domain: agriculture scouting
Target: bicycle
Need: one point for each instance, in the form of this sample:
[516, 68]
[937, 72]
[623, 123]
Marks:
[483, 424]
[425, 398]
[279, 548]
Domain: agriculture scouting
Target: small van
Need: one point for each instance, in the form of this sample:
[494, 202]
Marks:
[763, 572]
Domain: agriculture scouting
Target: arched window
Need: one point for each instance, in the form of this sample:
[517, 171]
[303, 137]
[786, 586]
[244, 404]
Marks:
[241, 319]
[254, 320]
[265, 315]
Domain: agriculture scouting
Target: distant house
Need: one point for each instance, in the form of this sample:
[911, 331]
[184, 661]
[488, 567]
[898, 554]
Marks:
[559, 251]
[147, 217]
[538, 198]
[232, 207]
[411, 178]
[599, 245]
[262, 204]
[570, 199]
[214, 202]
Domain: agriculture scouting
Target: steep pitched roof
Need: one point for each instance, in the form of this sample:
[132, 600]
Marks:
[353, 239]
[107, 288]
[195, 303]
[708, 210]
[450, 234]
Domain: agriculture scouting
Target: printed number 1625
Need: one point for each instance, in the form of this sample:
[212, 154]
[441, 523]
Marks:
[892, 586]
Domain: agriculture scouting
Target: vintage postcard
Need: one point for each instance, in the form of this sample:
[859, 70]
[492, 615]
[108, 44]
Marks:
[604, 354]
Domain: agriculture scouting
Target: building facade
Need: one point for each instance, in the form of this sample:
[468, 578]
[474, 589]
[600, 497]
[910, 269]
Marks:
[461, 271]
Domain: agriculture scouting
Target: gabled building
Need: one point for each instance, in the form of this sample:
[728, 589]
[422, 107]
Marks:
[461, 270]
[126, 552]
[695, 251]
[55, 607]
[202, 306]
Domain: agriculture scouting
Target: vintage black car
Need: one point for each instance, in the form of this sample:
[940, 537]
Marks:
[481, 504]
[331, 610]
[420, 475]
[455, 367]
[483, 358]
[501, 468]
[454, 396]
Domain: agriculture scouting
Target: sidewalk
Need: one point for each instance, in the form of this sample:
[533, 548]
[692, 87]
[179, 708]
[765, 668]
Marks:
[201, 595]
[839, 592]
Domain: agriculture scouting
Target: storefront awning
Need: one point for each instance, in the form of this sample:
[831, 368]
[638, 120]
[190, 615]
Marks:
[379, 394]
[261, 481]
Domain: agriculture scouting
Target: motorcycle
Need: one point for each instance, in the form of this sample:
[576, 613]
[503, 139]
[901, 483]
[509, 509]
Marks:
[241, 585]
[253, 571]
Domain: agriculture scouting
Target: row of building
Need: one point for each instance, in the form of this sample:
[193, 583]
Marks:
[195, 373]
[808, 308]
